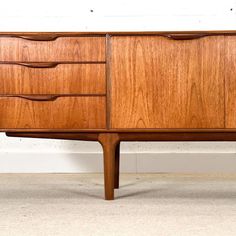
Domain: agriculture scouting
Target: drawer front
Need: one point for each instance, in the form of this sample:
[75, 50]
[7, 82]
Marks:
[60, 49]
[60, 113]
[60, 79]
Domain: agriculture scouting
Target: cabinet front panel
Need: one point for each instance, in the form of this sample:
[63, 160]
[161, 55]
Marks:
[62, 79]
[60, 49]
[158, 82]
[62, 113]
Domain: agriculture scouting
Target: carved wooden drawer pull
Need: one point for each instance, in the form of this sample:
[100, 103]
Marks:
[38, 97]
[38, 64]
[39, 37]
[185, 36]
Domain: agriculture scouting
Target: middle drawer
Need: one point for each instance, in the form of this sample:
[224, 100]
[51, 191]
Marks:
[52, 78]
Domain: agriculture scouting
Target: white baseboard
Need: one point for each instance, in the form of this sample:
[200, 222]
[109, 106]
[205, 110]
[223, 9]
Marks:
[13, 162]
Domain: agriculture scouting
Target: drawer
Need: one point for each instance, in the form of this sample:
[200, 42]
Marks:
[59, 49]
[52, 78]
[52, 112]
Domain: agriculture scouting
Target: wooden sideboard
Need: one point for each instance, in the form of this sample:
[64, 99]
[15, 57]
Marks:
[119, 86]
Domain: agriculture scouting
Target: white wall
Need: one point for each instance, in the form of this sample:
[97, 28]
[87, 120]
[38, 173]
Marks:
[35, 155]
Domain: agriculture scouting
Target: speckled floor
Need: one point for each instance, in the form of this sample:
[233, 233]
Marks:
[146, 204]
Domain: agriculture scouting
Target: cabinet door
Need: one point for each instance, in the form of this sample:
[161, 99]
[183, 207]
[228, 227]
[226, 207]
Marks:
[158, 82]
[230, 81]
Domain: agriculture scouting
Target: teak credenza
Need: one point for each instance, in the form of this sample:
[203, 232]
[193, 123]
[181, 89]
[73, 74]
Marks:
[111, 87]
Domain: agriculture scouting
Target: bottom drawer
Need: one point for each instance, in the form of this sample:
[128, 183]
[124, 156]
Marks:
[55, 112]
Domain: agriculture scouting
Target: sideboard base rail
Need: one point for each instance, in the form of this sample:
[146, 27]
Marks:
[132, 136]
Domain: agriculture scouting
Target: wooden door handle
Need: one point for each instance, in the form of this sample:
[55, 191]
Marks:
[185, 36]
[38, 97]
[38, 37]
[38, 64]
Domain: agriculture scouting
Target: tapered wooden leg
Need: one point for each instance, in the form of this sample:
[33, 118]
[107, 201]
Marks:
[109, 143]
[117, 165]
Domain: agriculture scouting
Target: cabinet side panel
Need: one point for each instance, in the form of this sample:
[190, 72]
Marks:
[230, 81]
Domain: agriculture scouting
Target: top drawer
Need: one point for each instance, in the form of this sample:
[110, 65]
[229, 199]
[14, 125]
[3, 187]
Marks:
[74, 49]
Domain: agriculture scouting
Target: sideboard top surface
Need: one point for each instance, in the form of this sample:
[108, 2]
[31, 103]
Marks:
[97, 33]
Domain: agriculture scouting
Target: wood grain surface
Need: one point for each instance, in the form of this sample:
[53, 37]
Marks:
[230, 82]
[62, 79]
[61, 49]
[62, 113]
[158, 82]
